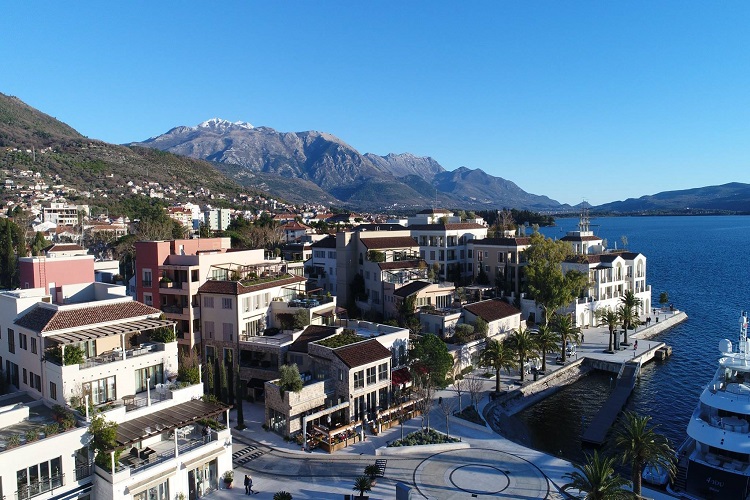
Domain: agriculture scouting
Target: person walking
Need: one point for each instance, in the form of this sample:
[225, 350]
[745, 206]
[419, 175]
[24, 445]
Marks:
[250, 486]
[247, 484]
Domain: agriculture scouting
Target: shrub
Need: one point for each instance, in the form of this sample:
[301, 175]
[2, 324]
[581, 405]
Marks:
[188, 370]
[31, 435]
[51, 429]
[289, 379]
[73, 355]
[282, 495]
[418, 438]
[163, 334]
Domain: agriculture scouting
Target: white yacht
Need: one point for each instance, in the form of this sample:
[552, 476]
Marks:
[714, 461]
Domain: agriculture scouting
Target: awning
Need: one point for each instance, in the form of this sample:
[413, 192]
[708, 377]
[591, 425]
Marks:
[140, 486]
[158, 422]
[209, 455]
[109, 331]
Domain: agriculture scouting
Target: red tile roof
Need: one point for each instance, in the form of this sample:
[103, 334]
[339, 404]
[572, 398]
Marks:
[44, 319]
[362, 353]
[580, 238]
[389, 242]
[327, 242]
[492, 310]
[446, 227]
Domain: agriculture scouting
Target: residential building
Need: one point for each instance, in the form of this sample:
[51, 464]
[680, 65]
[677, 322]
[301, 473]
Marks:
[63, 214]
[371, 263]
[444, 242]
[102, 349]
[58, 265]
[182, 215]
[345, 386]
[252, 317]
[426, 296]
[217, 219]
[169, 274]
[502, 259]
[320, 268]
[293, 231]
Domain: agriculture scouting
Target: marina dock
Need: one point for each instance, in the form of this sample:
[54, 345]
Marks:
[597, 430]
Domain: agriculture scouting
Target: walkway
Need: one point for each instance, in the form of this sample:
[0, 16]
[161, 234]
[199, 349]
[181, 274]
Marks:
[493, 466]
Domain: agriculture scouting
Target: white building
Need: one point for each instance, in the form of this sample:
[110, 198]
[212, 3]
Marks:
[63, 214]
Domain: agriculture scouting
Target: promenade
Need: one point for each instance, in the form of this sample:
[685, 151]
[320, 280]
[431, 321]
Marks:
[491, 466]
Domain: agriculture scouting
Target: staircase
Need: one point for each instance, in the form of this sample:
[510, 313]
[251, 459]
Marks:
[680, 480]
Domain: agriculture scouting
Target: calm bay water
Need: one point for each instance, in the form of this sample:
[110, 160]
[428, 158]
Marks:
[704, 265]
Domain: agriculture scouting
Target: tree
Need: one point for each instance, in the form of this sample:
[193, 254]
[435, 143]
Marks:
[499, 356]
[430, 357]
[597, 479]
[629, 304]
[563, 325]
[458, 381]
[481, 326]
[301, 319]
[238, 398]
[522, 343]
[663, 298]
[474, 386]
[363, 485]
[8, 261]
[640, 445]
[548, 285]
[546, 341]
[611, 318]
[482, 278]
[103, 440]
[447, 406]
[289, 379]
[38, 244]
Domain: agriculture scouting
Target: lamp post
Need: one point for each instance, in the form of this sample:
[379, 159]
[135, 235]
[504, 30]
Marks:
[237, 391]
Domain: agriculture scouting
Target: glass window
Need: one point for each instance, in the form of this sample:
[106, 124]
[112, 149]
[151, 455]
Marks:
[158, 492]
[208, 302]
[359, 379]
[383, 371]
[226, 303]
[371, 375]
[52, 390]
[147, 377]
[100, 391]
[11, 341]
[33, 345]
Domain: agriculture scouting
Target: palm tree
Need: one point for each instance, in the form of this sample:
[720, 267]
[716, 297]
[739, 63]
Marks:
[597, 479]
[282, 495]
[563, 325]
[499, 356]
[546, 341]
[628, 310]
[363, 485]
[524, 346]
[640, 445]
[611, 319]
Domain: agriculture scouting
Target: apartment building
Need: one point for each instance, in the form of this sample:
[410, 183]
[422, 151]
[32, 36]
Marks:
[444, 242]
[502, 259]
[372, 263]
[169, 274]
[63, 214]
[320, 269]
[217, 219]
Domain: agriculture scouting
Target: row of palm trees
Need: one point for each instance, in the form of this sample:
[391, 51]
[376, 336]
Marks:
[636, 443]
[521, 345]
[626, 315]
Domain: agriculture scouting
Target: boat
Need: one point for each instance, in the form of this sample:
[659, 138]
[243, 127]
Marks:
[714, 460]
[655, 474]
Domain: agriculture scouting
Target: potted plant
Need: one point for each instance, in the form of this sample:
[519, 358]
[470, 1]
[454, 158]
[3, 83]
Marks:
[282, 495]
[165, 282]
[363, 485]
[228, 478]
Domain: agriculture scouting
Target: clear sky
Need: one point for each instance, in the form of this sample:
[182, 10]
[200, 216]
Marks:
[599, 101]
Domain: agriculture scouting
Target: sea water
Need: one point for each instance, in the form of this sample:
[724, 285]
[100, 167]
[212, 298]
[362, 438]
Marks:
[702, 262]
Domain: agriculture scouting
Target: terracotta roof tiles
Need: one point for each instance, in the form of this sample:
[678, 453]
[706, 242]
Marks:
[45, 319]
[389, 242]
[362, 353]
[492, 310]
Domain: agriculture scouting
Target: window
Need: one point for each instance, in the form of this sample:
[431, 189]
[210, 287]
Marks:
[148, 299]
[209, 329]
[208, 302]
[295, 359]
[53, 390]
[22, 341]
[33, 345]
[226, 303]
[432, 254]
[11, 341]
[371, 375]
[148, 377]
[39, 478]
[341, 375]
[36, 382]
[359, 379]
[228, 330]
[157, 492]
[469, 253]
[210, 354]
[147, 277]
[100, 391]
[24, 377]
[383, 371]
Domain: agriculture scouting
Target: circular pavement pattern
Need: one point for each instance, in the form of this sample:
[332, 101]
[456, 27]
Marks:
[459, 474]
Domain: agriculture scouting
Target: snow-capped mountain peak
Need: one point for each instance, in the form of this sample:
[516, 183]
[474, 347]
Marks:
[220, 125]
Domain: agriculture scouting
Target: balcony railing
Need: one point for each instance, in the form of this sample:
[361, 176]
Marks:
[84, 471]
[42, 486]
[113, 356]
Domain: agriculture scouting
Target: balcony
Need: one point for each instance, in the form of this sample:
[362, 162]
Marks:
[44, 485]
[116, 355]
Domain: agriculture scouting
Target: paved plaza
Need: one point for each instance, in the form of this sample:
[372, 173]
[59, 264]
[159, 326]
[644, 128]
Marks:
[491, 467]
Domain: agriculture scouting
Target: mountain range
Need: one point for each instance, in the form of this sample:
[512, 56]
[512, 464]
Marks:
[226, 157]
[336, 172]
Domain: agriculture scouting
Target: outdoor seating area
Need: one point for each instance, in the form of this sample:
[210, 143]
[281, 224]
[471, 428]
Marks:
[331, 439]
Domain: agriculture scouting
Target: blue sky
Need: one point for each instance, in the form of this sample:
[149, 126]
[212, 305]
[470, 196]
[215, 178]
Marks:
[599, 101]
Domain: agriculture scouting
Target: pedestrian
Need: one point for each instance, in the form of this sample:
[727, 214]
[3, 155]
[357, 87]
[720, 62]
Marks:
[247, 484]
[635, 345]
[250, 486]
[583, 338]
[206, 434]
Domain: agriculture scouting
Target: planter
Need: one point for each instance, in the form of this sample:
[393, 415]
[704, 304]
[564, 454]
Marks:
[228, 485]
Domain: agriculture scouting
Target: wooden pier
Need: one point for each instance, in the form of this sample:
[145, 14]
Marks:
[597, 430]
